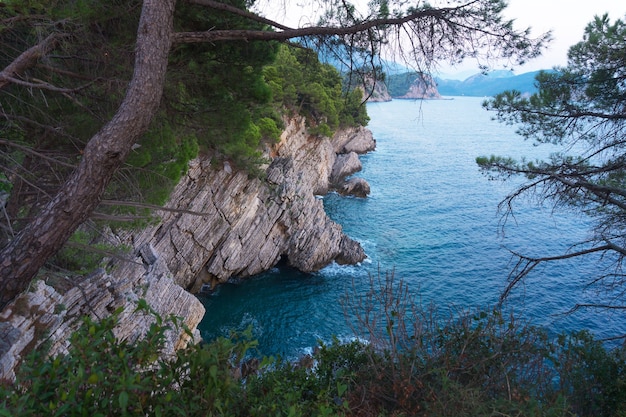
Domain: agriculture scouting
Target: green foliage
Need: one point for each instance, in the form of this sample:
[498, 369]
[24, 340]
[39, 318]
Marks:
[215, 98]
[354, 112]
[591, 375]
[399, 84]
[82, 254]
[219, 91]
[224, 98]
[154, 166]
[580, 110]
[100, 376]
[269, 129]
[285, 389]
[421, 363]
[45, 132]
[300, 82]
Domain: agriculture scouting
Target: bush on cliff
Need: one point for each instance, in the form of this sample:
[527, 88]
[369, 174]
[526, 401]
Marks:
[302, 84]
[416, 362]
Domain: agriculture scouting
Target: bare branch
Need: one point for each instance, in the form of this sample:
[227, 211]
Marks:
[31, 151]
[152, 207]
[244, 13]
[599, 306]
[46, 86]
[252, 35]
[527, 264]
[28, 58]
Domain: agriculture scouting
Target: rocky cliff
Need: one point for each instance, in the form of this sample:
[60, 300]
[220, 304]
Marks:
[422, 87]
[241, 226]
[218, 224]
[375, 91]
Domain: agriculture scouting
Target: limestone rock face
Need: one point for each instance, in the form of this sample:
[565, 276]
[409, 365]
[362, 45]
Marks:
[423, 87]
[54, 307]
[222, 224]
[357, 187]
[218, 224]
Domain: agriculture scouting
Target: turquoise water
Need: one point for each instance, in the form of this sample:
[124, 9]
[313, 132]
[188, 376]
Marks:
[432, 219]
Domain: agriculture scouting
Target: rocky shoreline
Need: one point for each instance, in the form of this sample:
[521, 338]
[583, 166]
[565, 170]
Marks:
[218, 224]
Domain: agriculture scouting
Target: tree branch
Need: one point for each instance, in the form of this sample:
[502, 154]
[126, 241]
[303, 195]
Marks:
[46, 86]
[28, 58]
[603, 192]
[31, 151]
[254, 35]
[527, 264]
[152, 207]
[244, 13]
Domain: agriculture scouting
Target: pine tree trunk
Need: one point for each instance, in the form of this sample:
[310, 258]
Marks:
[22, 258]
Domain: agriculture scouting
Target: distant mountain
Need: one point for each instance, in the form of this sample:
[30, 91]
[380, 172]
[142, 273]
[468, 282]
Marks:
[342, 63]
[481, 85]
[400, 81]
[412, 85]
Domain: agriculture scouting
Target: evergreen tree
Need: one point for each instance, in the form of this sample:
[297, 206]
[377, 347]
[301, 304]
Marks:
[41, 36]
[582, 109]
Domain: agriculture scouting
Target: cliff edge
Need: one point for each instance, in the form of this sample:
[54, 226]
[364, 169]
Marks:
[218, 224]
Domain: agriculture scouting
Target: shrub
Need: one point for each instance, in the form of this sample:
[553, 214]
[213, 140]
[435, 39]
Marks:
[301, 83]
[104, 376]
[592, 377]
[416, 362]
[424, 362]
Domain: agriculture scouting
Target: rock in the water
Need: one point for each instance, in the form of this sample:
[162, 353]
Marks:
[354, 139]
[345, 165]
[351, 252]
[355, 186]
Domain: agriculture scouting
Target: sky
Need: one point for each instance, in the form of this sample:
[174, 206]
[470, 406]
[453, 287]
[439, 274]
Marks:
[566, 19]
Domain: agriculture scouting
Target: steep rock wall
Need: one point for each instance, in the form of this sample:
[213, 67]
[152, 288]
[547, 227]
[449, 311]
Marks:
[423, 87]
[218, 224]
[241, 226]
[51, 310]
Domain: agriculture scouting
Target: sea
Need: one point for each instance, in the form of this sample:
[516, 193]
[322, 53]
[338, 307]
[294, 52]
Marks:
[433, 222]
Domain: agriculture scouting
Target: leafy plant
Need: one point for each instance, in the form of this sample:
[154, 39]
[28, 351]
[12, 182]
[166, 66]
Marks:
[593, 377]
[416, 362]
[300, 82]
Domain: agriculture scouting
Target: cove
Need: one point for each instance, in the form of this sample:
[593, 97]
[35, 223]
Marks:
[432, 219]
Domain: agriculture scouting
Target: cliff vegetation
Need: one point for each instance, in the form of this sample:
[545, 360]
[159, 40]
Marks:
[408, 361]
[226, 100]
[221, 183]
